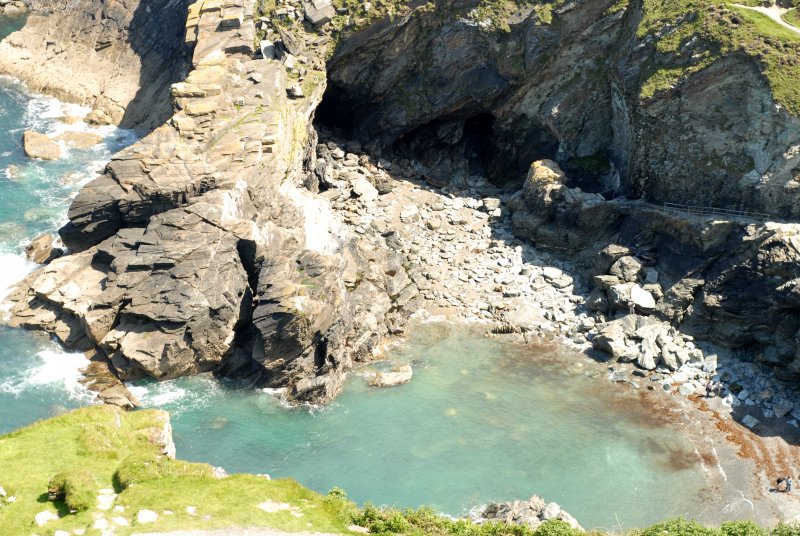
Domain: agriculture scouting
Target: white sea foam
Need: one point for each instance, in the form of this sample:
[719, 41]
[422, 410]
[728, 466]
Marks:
[177, 395]
[52, 368]
[14, 269]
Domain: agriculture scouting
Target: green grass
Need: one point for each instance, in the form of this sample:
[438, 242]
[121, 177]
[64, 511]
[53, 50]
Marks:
[84, 451]
[792, 17]
[690, 35]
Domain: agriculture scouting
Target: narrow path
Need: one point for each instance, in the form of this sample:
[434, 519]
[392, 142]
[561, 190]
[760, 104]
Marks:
[773, 12]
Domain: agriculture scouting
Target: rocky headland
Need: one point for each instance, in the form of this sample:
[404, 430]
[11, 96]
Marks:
[304, 184]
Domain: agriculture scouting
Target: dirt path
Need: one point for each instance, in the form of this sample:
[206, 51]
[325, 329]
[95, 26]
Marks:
[775, 13]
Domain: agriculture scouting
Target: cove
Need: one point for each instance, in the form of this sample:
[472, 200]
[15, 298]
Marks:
[481, 420]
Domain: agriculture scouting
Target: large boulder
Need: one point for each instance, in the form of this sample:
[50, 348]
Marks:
[612, 340]
[319, 12]
[41, 250]
[40, 146]
[399, 374]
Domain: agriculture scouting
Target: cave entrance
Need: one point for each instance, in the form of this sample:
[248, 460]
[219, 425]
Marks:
[444, 150]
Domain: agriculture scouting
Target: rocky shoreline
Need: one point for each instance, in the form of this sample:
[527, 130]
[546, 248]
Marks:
[230, 239]
[364, 242]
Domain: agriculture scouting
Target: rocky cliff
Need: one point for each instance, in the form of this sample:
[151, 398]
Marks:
[199, 249]
[212, 244]
[117, 57]
[632, 98]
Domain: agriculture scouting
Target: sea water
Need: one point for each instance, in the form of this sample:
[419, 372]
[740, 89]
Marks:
[37, 378]
[481, 420]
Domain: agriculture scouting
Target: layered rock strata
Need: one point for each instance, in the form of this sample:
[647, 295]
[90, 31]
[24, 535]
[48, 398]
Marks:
[116, 57]
[199, 250]
[568, 86]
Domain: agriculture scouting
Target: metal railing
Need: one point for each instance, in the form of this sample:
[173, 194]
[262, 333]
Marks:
[712, 211]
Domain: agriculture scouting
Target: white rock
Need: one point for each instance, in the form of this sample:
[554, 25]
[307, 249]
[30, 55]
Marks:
[273, 506]
[750, 421]
[642, 298]
[364, 190]
[61, 533]
[398, 375]
[146, 516]
[44, 517]
[120, 521]
[100, 524]
[551, 272]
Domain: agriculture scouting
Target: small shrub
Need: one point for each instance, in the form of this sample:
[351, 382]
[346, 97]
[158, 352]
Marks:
[556, 527]
[76, 488]
[337, 493]
[138, 468]
[678, 527]
[741, 528]
[786, 530]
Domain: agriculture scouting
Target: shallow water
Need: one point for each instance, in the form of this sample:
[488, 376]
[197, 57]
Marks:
[481, 420]
[37, 378]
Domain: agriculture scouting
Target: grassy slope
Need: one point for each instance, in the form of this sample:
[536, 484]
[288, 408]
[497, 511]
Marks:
[692, 34]
[90, 438]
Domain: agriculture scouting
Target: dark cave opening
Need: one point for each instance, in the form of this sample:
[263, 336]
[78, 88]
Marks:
[444, 150]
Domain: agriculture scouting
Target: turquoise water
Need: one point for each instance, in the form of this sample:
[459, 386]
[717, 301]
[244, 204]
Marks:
[37, 378]
[480, 421]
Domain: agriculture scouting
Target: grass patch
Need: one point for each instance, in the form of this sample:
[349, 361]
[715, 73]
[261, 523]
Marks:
[792, 17]
[689, 35]
[78, 453]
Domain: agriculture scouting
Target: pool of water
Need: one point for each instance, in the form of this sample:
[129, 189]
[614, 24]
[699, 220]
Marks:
[481, 420]
[37, 378]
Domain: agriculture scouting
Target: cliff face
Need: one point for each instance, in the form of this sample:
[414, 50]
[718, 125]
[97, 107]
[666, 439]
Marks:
[574, 87]
[117, 57]
[203, 247]
[199, 249]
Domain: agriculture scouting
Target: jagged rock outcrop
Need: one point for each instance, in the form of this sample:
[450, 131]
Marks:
[732, 281]
[12, 8]
[531, 513]
[199, 248]
[569, 86]
[117, 57]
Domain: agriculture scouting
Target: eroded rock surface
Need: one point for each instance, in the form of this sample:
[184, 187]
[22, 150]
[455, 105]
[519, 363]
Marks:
[118, 57]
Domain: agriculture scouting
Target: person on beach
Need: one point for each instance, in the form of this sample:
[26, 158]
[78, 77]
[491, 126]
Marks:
[789, 484]
[709, 388]
[631, 307]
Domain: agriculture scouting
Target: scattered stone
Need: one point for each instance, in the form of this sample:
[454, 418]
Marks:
[146, 516]
[41, 249]
[44, 517]
[750, 421]
[295, 91]
[272, 507]
[399, 374]
[319, 12]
